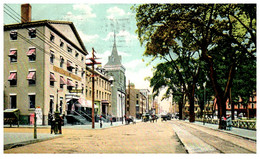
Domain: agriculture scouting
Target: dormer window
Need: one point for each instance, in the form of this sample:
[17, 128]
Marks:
[32, 33]
[13, 35]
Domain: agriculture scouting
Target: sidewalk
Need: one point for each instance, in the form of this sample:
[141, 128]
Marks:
[245, 133]
[12, 140]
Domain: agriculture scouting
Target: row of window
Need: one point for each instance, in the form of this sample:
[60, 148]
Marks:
[31, 104]
[32, 100]
[32, 57]
[31, 77]
[31, 53]
[31, 33]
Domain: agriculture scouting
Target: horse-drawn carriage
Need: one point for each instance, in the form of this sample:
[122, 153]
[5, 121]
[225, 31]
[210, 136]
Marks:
[164, 117]
[129, 119]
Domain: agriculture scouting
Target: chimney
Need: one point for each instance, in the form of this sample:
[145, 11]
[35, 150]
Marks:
[26, 13]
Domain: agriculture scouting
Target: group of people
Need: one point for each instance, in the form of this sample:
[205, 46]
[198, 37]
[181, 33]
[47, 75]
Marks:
[226, 122]
[56, 121]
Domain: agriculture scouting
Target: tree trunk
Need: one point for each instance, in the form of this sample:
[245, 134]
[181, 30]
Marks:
[192, 114]
[180, 108]
[221, 102]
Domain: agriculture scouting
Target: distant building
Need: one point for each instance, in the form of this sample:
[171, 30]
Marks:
[115, 69]
[43, 63]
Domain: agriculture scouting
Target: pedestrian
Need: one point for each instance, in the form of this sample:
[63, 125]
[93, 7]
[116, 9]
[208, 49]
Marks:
[223, 122]
[229, 123]
[100, 121]
[60, 123]
[51, 121]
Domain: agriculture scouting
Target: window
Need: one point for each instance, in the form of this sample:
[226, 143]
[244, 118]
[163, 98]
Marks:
[76, 69]
[51, 104]
[86, 90]
[61, 61]
[13, 55]
[82, 58]
[137, 95]
[137, 102]
[82, 72]
[13, 78]
[32, 32]
[69, 49]
[76, 54]
[31, 54]
[52, 57]
[13, 35]
[69, 66]
[61, 43]
[52, 37]
[70, 84]
[62, 82]
[31, 77]
[52, 79]
[61, 104]
[77, 85]
[31, 101]
[13, 104]
[82, 87]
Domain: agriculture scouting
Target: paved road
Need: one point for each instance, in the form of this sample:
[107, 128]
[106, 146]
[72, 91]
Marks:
[161, 137]
[135, 138]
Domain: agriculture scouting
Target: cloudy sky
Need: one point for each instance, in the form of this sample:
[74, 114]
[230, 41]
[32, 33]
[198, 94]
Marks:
[96, 24]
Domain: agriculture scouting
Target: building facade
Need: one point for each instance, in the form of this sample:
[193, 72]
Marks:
[43, 62]
[102, 92]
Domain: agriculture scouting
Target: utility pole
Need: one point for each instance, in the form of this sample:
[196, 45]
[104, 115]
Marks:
[92, 63]
[129, 97]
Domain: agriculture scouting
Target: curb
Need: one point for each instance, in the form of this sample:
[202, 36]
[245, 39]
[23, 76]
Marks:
[228, 133]
[24, 143]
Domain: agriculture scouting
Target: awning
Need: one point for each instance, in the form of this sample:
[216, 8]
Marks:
[31, 76]
[31, 52]
[70, 83]
[52, 78]
[83, 102]
[69, 64]
[104, 102]
[12, 76]
[12, 53]
[62, 80]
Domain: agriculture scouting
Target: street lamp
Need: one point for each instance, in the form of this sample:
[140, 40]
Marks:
[204, 85]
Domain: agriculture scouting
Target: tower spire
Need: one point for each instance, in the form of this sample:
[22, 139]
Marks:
[114, 37]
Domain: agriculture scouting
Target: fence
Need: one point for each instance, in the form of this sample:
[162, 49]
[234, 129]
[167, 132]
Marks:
[245, 124]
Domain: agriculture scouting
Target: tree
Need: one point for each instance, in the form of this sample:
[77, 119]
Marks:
[160, 26]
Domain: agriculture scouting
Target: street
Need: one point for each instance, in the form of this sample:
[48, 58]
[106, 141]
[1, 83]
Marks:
[160, 137]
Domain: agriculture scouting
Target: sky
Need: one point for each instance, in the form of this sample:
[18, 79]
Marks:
[96, 25]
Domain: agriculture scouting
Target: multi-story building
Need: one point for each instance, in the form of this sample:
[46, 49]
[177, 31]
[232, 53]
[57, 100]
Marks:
[136, 101]
[44, 62]
[145, 94]
[102, 91]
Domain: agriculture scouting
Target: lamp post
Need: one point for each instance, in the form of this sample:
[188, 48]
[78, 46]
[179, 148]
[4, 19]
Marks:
[204, 112]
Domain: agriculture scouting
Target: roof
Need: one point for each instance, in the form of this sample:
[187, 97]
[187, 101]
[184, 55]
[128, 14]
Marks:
[114, 58]
[48, 24]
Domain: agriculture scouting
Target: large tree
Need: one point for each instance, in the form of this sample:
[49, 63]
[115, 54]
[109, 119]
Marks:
[160, 26]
